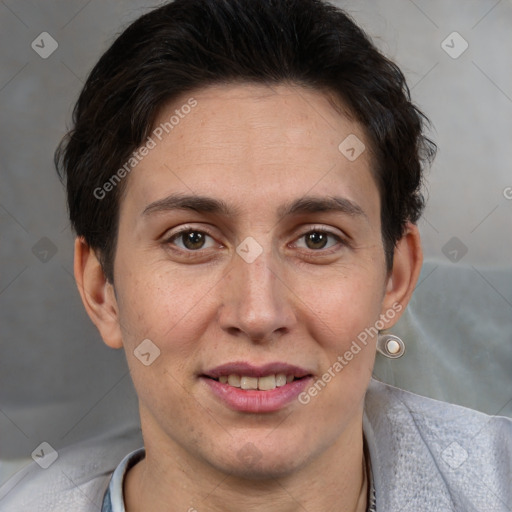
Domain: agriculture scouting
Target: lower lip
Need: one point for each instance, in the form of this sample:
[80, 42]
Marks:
[255, 401]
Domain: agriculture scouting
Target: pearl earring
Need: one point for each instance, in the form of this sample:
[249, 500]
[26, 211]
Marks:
[390, 346]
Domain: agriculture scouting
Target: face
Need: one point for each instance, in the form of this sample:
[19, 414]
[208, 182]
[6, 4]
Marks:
[250, 250]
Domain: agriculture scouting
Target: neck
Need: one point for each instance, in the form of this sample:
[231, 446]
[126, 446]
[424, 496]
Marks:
[174, 480]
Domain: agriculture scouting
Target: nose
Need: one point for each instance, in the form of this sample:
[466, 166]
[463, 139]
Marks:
[256, 300]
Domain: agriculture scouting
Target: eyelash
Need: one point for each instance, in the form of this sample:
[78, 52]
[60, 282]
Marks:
[191, 253]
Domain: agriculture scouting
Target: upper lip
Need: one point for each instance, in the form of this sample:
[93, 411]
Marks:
[250, 370]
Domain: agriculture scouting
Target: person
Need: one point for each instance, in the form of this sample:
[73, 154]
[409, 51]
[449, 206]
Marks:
[244, 178]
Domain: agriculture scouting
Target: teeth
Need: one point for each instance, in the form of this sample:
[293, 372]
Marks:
[281, 379]
[249, 382]
[234, 380]
[266, 383]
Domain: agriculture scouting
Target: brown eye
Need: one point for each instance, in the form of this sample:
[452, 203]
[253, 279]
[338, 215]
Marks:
[316, 240]
[190, 239]
[193, 240]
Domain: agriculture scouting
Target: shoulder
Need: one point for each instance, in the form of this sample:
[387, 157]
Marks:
[429, 453]
[76, 481]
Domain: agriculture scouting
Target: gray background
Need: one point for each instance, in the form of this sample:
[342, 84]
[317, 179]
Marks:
[60, 384]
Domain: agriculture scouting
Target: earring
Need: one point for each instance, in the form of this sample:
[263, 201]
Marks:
[390, 346]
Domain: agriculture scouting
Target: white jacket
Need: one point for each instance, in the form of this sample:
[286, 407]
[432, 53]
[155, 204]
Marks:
[425, 455]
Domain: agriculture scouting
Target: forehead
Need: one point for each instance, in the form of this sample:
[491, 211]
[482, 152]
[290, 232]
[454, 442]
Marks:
[254, 145]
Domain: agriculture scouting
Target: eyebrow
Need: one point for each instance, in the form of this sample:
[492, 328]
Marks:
[204, 204]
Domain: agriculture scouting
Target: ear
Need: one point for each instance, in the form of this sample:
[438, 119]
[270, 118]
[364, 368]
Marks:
[97, 294]
[407, 262]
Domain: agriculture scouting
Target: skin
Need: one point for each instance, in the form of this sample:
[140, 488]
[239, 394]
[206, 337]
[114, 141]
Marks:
[256, 148]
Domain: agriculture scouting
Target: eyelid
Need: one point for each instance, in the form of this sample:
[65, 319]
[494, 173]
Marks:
[184, 228]
[342, 239]
[323, 229]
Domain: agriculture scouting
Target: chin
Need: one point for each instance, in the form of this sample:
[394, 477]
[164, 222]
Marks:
[263, 471]
[251, 462]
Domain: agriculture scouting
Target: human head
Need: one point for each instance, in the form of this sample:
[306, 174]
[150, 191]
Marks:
[249, 151]
[189, 44]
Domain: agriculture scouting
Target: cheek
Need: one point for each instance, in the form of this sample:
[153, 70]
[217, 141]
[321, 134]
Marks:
[343, 304]
[175, 307]
[164, 306]
[172, 316]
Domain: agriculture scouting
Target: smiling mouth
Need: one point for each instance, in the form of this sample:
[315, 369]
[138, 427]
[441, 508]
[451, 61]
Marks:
[264, 383]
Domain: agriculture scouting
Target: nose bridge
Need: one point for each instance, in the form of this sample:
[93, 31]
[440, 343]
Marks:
[256, 299]
[257, 279]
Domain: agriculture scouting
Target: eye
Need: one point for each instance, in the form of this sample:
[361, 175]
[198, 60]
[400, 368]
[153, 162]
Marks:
[191, 239]
[318, 239]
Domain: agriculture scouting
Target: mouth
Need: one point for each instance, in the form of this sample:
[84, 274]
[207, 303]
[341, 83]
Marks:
[264, 383]
[250, 377]
[248, 388]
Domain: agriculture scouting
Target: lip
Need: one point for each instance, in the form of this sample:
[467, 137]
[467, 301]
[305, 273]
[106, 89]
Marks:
[255, 401]
[249, 370]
